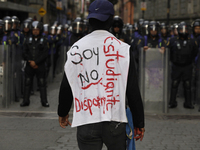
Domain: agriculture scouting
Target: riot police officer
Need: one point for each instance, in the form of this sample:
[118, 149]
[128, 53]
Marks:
[117, 27]
[46, 30]
[26, 30]
[15, 24]
[195, 29]
[77, 31]
[60, 37]
[35, 53]
[164, 33]
[139, 33]
[175, 29]
[52, 48]
[182, 54]
[152, 40]
[171, 31]
[7, 38]
[86, 27]
[66, 27]
[129, 33]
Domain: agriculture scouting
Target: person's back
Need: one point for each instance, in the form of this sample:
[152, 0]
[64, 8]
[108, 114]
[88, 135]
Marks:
[99, 74]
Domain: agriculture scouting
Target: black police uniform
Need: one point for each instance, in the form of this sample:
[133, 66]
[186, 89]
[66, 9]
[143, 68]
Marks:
[35, 49]
[182, 55]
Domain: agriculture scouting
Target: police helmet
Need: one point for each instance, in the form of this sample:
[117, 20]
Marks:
[53, 30]
[86, 26]
[117, 22]
[26, 26]
[164, 26]
[175, 26]
[140, 23]
[37, 25]
[78, 26]
[153, 26]
[130, 29]
[60, 29]
[66, 26]
[31, 19]
[46, 28]
[15, 21]
[55, 24]
[195, 24]
[144, 28]
[7, 23]
[136, 26]
[183, 30]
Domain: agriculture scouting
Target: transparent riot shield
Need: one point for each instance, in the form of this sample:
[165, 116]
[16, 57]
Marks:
[50, 65]
[5, 69]
[10, 71]
[154, 76]
[2, 77]
[17, 71]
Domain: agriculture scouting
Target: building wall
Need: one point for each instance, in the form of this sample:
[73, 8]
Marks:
[125, 9]
[51, 12]
[180, 10]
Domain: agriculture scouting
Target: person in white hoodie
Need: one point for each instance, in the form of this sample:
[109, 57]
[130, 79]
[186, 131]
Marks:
[99, 73]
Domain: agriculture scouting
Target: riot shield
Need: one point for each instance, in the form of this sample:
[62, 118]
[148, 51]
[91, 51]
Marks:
[10, 74]
[2, 77]
[154, 76]
[5, 68]
[17, 71]
[50, 65]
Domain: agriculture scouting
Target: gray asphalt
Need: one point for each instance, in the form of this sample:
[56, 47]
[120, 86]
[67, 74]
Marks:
[37, 128]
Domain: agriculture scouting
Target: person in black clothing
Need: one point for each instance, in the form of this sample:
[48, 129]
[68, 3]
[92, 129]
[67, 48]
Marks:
[100, 24]
[26, 30]
[117, 27]
[8, 39]
[77, 31]
[35, 53]
[164, 32]
[183, 51]
[153, 40]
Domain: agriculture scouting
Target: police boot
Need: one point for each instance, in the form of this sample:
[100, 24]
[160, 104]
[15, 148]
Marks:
[43, 96]
[26, 100]
[173, 102]
[188, 100]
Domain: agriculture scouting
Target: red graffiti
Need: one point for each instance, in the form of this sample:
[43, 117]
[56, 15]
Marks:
[98, 102]
[91, 84]
[111, 54]
[112, 38]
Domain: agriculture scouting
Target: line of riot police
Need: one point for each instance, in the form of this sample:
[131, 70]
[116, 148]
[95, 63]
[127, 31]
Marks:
[181, 39]
[40, 45]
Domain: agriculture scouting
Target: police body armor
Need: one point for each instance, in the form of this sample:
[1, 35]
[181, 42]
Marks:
[182, 53]
[35, 48]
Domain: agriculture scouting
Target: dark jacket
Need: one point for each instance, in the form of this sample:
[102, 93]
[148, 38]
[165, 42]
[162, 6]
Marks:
[35, 50]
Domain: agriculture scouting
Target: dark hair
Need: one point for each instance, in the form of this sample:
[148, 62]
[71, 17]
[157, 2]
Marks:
[101, 25]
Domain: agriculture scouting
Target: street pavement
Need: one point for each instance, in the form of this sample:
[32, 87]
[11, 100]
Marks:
[37, 128]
